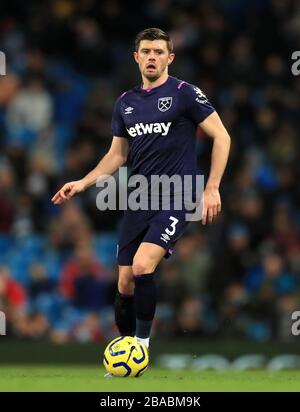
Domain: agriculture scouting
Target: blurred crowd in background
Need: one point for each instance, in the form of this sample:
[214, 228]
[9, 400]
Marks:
[67, 62]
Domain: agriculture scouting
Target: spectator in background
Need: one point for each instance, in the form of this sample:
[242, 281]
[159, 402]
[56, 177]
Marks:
[190, 318]
[233, 310]
[193, 261]
[9, 86]
[39, 281]
[285, 233]
[31, 326]
[7, 194]
[171, 289]
[267, 285]
[271, 278]
[84, 280]
[13, 301]
[88, 329]
[24, 223]
[69, 228]
[171, 284]
[234, 258]
[31, 109]
[12, 294]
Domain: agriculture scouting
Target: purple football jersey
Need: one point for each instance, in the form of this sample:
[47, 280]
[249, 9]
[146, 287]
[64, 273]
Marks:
[160, 124]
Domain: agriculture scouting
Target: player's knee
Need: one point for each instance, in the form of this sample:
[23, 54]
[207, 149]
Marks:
[142, 267]
[126, 285]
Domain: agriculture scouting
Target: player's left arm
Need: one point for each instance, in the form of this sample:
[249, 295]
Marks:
[215, 129]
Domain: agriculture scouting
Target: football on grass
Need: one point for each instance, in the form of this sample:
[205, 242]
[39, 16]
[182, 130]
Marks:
[124, 357]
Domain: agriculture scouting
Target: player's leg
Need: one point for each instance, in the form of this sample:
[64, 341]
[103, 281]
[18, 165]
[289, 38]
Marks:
[144, 264]
[124, 302]
[130, 239]
[165, 228]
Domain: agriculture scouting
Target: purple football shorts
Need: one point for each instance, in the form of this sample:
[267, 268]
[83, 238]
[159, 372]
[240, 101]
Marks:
[161, 227]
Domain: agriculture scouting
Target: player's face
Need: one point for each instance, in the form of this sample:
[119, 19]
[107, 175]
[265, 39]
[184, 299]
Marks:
[153, 58]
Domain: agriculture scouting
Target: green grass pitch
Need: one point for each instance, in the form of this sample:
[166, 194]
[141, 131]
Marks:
[90, 379]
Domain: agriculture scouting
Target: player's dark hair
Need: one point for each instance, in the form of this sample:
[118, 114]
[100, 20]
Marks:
[153, 33]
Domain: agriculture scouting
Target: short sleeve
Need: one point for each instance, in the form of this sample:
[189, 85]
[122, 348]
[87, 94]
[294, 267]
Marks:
[197, 105]
[117, 123]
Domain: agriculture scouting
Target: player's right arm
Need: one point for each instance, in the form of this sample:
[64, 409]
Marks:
[108, 165]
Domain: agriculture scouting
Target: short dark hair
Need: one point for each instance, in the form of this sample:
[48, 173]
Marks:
[153, 33]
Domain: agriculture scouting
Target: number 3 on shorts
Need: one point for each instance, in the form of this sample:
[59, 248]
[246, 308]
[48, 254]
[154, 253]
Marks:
[173, 226]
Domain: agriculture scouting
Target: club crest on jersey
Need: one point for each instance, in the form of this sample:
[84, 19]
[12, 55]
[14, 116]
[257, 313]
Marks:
[164, 103]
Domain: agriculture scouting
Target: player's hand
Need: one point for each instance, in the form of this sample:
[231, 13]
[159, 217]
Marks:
[211, 205]
[68, 191]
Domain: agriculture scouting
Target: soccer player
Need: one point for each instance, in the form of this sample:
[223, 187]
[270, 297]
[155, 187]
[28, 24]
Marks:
[154, 127]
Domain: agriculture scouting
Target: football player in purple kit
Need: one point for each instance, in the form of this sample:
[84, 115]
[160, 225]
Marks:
[154, 128]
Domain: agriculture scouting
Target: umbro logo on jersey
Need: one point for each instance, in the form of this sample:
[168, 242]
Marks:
[164, 103]
[128, 110]
[141, 128]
